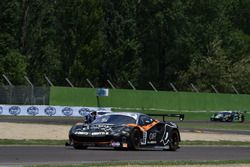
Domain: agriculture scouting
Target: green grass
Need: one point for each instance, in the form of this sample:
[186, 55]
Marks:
[31, 142]
[152, 163]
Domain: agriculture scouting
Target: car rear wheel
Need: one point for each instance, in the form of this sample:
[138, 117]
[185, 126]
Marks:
[134, 140]
[174, 141]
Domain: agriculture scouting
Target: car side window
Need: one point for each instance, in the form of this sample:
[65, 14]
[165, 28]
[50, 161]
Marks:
[145, 120]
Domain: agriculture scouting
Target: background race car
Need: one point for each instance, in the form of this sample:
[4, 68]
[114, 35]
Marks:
[228, 116]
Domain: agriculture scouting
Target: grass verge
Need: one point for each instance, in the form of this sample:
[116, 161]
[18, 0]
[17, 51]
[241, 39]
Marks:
[31, 142]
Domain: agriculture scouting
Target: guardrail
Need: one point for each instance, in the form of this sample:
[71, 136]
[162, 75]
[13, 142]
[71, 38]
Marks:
[46, 110]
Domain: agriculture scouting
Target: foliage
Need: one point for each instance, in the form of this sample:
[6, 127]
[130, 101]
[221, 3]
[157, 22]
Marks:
[14, 65]
[162, 41]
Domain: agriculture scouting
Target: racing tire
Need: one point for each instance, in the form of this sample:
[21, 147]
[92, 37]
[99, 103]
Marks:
[242, 119]
[79, 147]
[134, 140]
[174, 141]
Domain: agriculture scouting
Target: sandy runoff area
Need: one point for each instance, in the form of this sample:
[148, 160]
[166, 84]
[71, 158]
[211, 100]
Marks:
[60, 132]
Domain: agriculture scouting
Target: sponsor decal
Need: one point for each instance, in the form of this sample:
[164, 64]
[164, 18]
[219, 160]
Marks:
[1, 109]
[14, 110]
[98, 133]
[115, 144]
[152, 142]
[50, 111]
[81, 133]
[33, 111]
[67, 111]
[84, 111]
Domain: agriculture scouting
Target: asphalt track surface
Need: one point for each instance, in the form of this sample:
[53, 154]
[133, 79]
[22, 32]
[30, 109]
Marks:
[27, 155]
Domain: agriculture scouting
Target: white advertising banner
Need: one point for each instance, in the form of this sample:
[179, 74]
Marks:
[44, 110]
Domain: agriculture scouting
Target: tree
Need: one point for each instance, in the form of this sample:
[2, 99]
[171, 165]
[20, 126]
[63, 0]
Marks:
[79, 39]
[38, 40]
[14, 66]
[120, 61]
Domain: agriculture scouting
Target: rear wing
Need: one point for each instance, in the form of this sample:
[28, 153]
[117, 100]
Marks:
[180, 116]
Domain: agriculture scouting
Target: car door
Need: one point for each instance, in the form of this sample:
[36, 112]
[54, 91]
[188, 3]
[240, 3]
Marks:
[150, 129]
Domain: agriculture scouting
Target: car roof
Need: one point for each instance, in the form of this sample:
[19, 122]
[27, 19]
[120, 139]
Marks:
[135, 115]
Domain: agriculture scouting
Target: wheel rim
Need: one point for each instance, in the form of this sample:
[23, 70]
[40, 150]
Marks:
[136, 140]
[175, 140]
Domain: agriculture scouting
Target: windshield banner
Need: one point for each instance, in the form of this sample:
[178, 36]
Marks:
[44, 110]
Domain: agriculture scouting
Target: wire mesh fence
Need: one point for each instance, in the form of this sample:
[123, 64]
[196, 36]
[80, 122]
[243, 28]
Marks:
[25, 95]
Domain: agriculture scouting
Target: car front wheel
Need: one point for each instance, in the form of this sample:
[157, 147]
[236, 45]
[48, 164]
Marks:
[134, 140]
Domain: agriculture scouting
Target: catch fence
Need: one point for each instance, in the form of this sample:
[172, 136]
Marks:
[24, 95]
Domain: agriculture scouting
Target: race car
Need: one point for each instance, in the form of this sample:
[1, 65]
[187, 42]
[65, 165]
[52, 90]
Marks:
[228, 116]
[126, 130]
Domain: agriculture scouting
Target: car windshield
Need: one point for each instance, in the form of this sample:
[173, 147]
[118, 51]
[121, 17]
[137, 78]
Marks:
[115, 119]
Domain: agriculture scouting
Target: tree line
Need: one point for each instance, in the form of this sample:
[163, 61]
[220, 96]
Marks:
[203, 42]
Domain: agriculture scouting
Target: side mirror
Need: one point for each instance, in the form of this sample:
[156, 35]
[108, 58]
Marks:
[85, 120]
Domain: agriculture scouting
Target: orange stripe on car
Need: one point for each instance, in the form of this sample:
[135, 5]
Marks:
[146, 127]
[149, 126]
[135, 125]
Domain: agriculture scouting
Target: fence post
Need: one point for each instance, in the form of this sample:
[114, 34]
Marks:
[130, 83]
[47, 79]
[32, 89]
[69, 82]
[235, 90]
[150, 83]
[194, 88]
[173, 87]
[216, 91]
[110, 83]
[11, 88]
[92, 86]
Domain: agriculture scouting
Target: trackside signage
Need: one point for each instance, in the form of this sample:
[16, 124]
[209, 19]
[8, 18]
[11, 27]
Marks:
[102, 92]
[44, 110]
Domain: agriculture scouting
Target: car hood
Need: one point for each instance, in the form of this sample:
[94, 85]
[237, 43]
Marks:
[105, 128]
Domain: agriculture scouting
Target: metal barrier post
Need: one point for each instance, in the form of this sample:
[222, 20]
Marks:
[32, 90]
[173, 87]
[47, 79]
[113, 87]
[92, 86]
[194, 88]
[216, 91]
[10, 87]
[235, 90]
[69, 82]
[151, 84]
[133, 87]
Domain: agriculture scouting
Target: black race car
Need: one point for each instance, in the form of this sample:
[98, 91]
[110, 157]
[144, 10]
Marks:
[228, 116]
[126, 130]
